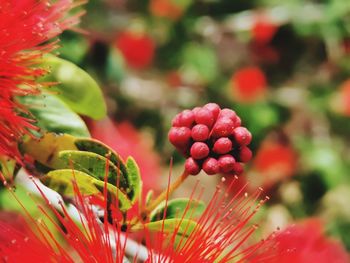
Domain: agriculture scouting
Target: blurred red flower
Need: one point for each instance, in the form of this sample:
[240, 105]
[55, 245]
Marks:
[137, 48]
[166, 8]
[274, 161]
[309, 244]
[174, 79]
[25, 27]
[126, 140]
[263, 31]
[248, 84]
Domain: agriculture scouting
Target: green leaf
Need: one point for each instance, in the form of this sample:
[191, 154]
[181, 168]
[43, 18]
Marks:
[76, 88]
[91, 145]
[62, 181]
[199, 63]
[149, 197]
[130, 171]
[176, 209]
[53, 115]
[183, 227]
[96, 165]
[74, 47]
[115, 66]
[46, 149]
[134, 178]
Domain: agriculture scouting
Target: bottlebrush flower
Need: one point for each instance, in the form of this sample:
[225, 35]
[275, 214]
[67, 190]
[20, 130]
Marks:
[25, 27]
[222, 233]
[211, 139]
[137, 48]
[248, 84]
[309, 244]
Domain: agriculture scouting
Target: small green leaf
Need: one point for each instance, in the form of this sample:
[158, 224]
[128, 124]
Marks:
[76, 88]
[183, 227]
[199, 63]
[95, 165]
[45, 150]
[91, 145]
[115, 66]
[176, 209]
[149, 197]
[134, 178]
[53, 115]
[62, 181]
[130, 171]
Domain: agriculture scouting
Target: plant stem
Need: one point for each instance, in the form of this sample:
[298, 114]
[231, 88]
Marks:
[163, 196]
[166, 193]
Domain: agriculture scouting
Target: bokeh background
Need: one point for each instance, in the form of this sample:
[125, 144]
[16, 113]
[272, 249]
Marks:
[283, 66]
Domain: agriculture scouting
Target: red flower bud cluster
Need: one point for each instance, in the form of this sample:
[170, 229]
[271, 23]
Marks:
[212, 139]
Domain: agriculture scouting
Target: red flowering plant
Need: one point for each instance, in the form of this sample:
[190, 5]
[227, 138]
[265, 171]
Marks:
[75, 199]
[26, 26]
[103, 188]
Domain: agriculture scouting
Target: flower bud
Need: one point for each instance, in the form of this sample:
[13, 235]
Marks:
[199, 150]
[245, 154]
[191, 166]
[222, 145]
[213, 108]
[226, 163]
[186, 118]
[200, 133]
[237, 168]
[211, 166]
[179, 136]
[242, 136]
[223, 127]
[204, 116]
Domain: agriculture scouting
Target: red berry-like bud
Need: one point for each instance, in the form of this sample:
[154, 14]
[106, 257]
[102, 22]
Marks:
[179, 136]
[200, 132]
[237, 168]
[192, 167]
[176, 121]
[195, 110]
[186, 118]
[228, 113]
[238, 122]
[242, 136]
[245, 154]
[204, 116]
[211, 166]
[194, 131]
[214, 108]
[199, 150]
[226, 163]
[223, 128]
[222, 145]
